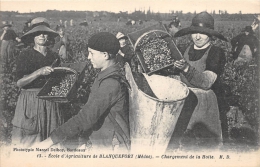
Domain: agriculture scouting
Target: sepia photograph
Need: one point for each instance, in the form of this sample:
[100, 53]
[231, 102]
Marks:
[113, 83]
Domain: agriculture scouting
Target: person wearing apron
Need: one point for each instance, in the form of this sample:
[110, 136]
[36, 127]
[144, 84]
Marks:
[103, 120]
[201, 67]
[35, 118]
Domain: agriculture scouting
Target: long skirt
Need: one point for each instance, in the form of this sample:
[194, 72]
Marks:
[205, 120]
[34, 119]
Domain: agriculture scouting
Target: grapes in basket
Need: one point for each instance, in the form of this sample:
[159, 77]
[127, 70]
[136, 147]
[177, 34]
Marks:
[63, 88]
[155, 51]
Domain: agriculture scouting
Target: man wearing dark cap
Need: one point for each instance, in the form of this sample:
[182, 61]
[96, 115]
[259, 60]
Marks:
[245, 41]
[105, 116]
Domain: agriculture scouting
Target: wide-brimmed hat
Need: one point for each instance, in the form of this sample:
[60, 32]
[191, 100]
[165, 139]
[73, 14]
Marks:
[120, 35]
[202, 23]
[5, 24]
[38, 26]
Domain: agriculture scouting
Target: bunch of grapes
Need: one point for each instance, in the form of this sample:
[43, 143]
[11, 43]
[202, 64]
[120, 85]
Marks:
[64, 87]
[155, 52]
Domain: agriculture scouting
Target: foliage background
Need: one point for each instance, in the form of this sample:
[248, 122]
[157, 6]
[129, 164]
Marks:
[242, 81]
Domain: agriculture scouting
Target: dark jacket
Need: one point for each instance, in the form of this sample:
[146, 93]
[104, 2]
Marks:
[129, 54]
[105, 113]
[10, 35]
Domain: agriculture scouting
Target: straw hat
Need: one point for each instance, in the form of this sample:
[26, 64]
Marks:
[202, 23]
[120, 35]
[38, 25]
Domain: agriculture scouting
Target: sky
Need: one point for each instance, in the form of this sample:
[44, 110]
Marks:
[163, 6]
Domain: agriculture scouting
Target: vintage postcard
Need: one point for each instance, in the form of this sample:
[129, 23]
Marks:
[129, 83]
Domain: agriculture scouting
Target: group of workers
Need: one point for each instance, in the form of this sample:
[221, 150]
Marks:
[105, 117]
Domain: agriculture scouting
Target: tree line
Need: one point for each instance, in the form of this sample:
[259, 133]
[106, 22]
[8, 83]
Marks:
[135, 15]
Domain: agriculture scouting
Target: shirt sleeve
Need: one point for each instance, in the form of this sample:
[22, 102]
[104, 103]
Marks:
[216, 60]
[12, 35]
[215, 63]
[98, 104]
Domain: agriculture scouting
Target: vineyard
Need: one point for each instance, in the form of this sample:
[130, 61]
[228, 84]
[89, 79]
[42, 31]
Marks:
[242, 80]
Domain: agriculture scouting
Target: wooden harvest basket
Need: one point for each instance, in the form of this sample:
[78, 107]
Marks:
[79, 67]
[137, 37]
[136, 34]
[55, 79]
